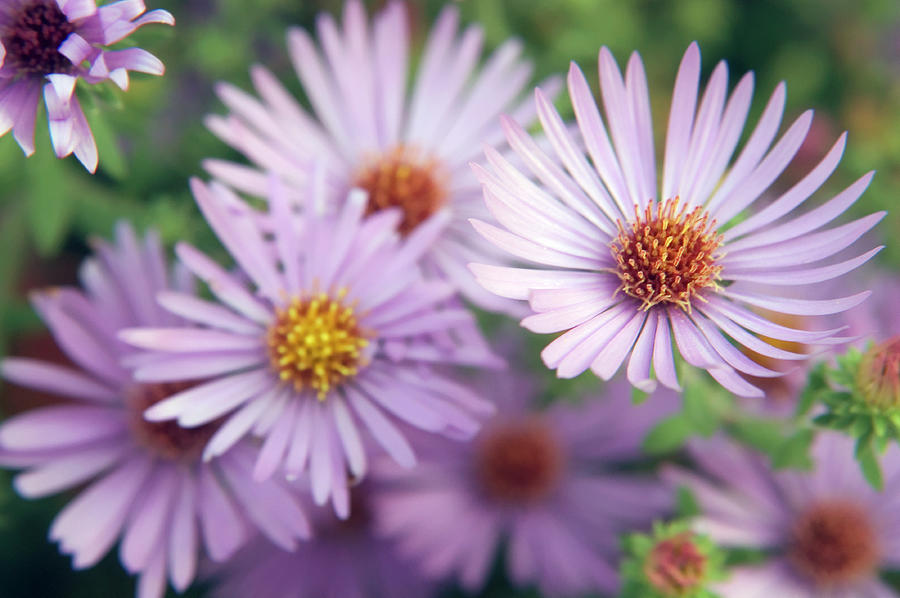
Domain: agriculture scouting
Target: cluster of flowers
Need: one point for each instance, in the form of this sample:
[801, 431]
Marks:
[217, 410]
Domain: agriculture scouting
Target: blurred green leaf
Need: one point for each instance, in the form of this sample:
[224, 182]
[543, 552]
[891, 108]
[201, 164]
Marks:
[668, 435]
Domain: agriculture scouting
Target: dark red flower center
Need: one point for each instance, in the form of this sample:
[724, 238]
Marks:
[33, 37]
[879, 374]
[676, 566]
[166, 439]
[667, 255]
[519, 462]
[403, 178]
[835, 542]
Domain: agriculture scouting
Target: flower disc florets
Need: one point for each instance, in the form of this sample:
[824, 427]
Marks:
[165, 439]
[519, 462]
[33, 37]
[676, 565]
[404, 178]
[316, 343]
[834, 542]
[667, 256]
[878, 377]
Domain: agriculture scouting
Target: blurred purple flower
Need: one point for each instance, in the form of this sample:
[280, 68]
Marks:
[345, 559]
[408, 150]
[541, 480]
[630, 268]
[333, 337]
[828, 531]
[145, 481]
[50, 45]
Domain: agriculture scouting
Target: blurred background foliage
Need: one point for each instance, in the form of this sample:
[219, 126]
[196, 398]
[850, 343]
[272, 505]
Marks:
[841, 57]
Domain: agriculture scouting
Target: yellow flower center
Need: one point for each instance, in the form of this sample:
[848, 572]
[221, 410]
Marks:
[316, 343]
[403, 178]
[667, 256]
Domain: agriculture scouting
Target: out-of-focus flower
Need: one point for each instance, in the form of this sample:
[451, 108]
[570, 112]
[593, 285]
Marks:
[336, 333]
[408, 150]
[47, 46]
[672, 562]
[345, 559]
[146, 482]
[828, 531]
[541, 480]
[631, 265]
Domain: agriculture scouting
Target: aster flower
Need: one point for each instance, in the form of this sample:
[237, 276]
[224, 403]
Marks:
[828, 532]
[345, 559]
[540, 480]
[629, 265]
[145, 482]
[335, 334]
[47, 46]
[408, 150]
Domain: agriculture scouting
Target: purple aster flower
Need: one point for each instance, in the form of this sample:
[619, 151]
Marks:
[540, 481]
[335, 336]
[629, 265]
[345, 559]
[46, 46]
[829, 533]
[408, 150]
[145, 482]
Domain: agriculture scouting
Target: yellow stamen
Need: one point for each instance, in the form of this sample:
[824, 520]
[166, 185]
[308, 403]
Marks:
[316, 343]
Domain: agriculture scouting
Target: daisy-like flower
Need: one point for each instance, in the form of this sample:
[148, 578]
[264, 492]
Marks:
[47, 46]
[632, 265]
[408, 150]
[539, 482]
[345, 559]
[336, 333]
[828, 531]
[145, 482]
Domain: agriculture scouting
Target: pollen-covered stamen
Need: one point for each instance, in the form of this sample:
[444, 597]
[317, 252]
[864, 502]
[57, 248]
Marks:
[667, 255]
[518, 462]
[316, 343]
[835, 542]
[165, 439]
[404, 178]
[676, 566]
[33, 36]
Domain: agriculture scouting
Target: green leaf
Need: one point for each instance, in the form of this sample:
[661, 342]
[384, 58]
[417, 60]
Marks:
[868, 464]
[638, 396]
[793, 453]
[112, 160]
[50, 203]
[668, 435]
[762, 434]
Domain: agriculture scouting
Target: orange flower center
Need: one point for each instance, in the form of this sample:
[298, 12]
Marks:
[667, 255]
[519, 462]
[403, 178]
[835, 542]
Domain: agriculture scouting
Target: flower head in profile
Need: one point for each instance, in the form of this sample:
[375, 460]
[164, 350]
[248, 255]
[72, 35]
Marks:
[347, 558]
[408, 149]
[829, 533]
[537, 481]
[629, 265]
[144, 482]
[334, 337]
[47, 46]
